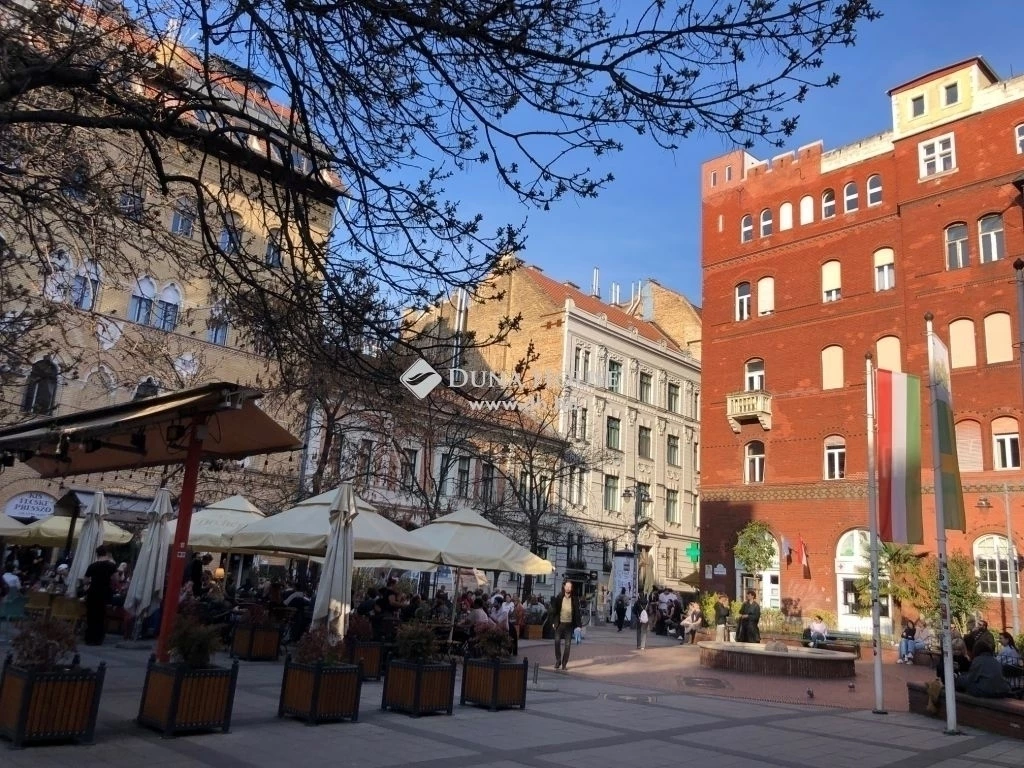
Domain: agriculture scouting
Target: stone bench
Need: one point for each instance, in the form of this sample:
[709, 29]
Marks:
[1004, 717]
[752, 658]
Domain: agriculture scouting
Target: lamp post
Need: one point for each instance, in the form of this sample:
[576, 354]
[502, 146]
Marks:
[1011, 554]
[641, 496]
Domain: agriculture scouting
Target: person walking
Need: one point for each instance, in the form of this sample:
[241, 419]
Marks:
[620, 609]
[643, 620]
[564, 615]
[99, 589]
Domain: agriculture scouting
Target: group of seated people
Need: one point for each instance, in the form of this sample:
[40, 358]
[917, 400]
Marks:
[980, 668]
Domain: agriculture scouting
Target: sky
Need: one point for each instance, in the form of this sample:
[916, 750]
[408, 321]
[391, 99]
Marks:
[647, 223]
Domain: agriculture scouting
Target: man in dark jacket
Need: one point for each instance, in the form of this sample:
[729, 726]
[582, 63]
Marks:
[984, 678]
[564, 615]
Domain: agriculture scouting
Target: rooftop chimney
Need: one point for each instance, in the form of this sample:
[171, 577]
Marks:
[595, 286]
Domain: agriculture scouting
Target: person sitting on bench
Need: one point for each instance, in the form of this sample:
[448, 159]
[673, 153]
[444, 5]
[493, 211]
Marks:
[819, 631]
[984, 678]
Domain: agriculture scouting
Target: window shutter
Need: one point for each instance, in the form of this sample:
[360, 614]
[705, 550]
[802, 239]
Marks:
[968, 446]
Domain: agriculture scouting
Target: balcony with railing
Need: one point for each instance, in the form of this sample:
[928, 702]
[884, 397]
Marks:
[745, 407]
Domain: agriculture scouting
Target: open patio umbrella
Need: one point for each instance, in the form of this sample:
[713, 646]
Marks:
[212, 526]
[89, 537]
[305, 528]
[146, 589]
[334, 595]
[9, 525]
[53, 532]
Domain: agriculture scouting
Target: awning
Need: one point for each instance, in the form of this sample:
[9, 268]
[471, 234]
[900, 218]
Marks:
[127, 511]
[148, 432]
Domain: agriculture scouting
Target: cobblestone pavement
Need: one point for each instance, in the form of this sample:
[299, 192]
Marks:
[615, 707]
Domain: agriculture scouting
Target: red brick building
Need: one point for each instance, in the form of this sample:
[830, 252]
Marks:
[815, 258]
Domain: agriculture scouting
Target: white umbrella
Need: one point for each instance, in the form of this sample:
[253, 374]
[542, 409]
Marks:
[90, 537]
[467, 540]
[53, 532]
[212, 526]
[146, 588]
[9, 525]
[334, 593]
[305, 528]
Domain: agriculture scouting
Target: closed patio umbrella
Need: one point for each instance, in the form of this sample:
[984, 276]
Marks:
[334, 594]
[146, 589]
[89, 538]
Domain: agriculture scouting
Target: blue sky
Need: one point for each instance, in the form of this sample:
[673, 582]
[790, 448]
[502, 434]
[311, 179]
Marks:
[647, 223]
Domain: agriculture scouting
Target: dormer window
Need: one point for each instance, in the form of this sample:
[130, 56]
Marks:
[917, 106]
[952, 94]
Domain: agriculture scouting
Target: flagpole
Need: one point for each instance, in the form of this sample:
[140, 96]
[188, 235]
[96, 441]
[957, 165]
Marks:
[940, 540]
[876, 608]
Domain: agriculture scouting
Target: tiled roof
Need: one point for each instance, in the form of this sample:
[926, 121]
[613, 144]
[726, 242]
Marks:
[559, 292]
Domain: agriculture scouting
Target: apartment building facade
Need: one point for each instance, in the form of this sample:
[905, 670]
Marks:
[817, 258]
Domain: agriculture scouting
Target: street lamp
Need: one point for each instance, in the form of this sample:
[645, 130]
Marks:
[1011, 554]
[642, 496]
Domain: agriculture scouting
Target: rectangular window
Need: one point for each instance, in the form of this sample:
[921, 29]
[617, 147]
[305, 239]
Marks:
[364, 465]
[936, 156]
[643, 442]
[643, 491]
[957, 256]
[183, 222]
[83, 292]
[1007, 450]
[130, 204]
[835, 462]
[743, 301]
[672, 450]
[671, 506]
[581, 487]
[646, 388]
[714, 178]
[462, 478]
[140, 310]
[614, 382]
[728, 173]
[993, 575]
[917, 106]
[487, 483]
[542, 552]
[611, 493]
[673, 398]
[581, 364]
[410, 460]
[217, 332]
[524, 486]
[570, 486]
[951, 93]
[612, 433]
[166, 316]
[831, 294]
[885, 277]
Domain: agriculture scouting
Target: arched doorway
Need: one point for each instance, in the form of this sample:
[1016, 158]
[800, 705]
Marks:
[853, 567]
[767, 585]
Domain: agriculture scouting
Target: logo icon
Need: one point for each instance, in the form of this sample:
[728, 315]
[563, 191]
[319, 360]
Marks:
[420, 378]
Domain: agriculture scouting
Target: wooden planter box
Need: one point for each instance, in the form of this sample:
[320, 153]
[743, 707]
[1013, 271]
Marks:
[494, 683]
[256, 642]
[534, 632]
[320, 694]
[370, 655]
[177, 699]
[56, 705]
[418, 688]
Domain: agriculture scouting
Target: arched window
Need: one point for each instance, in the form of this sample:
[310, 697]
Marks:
[765, 296]
[831, 281]
[832, 373]
[147, 388]
[1005, 443]
[230, 240]
[851, 198]
[785, 217]
[992, 558]
[140, 307]
[889, 354]
[183, 220]
[885, 269]
[828, 204]
[86, 286]
[766, 222]
[990, 238]
[968, 446]
[58, 277]
[874, 190]
[962, 347]
[835, 457]
[743, 301]
[273, 255]
[753, 464]
[746, 229]
[998, 338]
[1020, 139]
[167, 308]
[754, 375]
[41, 388]
[217, 326]
[806, 209]
[957, 255]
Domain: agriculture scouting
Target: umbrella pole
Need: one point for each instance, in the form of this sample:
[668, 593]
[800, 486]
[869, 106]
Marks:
[455, 607]
[176, 574]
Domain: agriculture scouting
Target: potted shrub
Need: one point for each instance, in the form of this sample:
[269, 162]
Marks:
[257, 637]
[190, 694]
[43, 699]
[492, 679]
[362, 649]
[318, 686]
[534, 626]
[415, 681]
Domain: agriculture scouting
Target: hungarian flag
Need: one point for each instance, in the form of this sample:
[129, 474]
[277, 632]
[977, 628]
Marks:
[898, 457]
[948, 491]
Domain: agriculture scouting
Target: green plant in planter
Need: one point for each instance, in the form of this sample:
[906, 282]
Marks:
[415, 642]
[490, 642]
[193, 643]
[359, 629]
[43, 644]
[318, 646]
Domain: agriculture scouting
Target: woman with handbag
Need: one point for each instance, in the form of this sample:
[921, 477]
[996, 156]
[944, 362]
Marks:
[641, 610]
